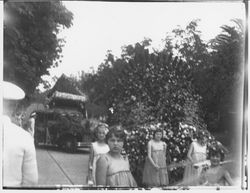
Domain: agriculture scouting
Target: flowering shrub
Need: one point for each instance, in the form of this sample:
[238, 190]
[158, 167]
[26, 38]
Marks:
[177, 140]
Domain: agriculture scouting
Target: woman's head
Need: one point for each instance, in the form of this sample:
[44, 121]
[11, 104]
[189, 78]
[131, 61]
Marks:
[115, 139]
[201, 137]
[158, 134]
[215, 153]
[215, 157]
[101, 131]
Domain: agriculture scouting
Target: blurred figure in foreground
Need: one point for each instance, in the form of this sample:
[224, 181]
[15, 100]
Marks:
[17, 119]
[19, 155]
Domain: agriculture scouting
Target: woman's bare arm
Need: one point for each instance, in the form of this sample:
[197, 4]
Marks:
[228, 178]
[165, 148]
[91, 157]
[190, 151]
[150, 155]
[101, 171]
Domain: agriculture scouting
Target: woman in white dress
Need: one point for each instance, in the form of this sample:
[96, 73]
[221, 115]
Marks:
[197, 153]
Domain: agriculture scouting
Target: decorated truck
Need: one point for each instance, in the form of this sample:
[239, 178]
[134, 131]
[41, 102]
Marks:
[64, 123]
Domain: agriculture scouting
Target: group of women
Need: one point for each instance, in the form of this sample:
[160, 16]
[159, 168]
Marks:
[109, 165]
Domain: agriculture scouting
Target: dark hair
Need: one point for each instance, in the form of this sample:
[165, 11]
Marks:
[200, 135]
[117, 131]
[158, 130]
[216, 150]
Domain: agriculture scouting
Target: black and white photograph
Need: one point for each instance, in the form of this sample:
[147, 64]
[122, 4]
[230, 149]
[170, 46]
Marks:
[124, 95]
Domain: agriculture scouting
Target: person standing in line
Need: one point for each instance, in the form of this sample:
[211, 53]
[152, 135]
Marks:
[19, 155]
[155, 172]
[216, 174]
[98, 148]
[31, 124]
[197, 153]
[112, 168]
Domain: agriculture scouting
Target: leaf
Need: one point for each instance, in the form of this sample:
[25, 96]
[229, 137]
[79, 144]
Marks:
[32, 35]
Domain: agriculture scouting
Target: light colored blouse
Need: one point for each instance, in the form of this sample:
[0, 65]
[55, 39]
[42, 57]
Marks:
[98, 149]
[118, 173]
[199, 152]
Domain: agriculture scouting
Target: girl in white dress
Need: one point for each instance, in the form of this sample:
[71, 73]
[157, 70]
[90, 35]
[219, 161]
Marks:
[98, 148]
[197, 153]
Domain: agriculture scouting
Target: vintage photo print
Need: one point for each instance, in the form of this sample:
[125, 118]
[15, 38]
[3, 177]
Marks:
[124, 95]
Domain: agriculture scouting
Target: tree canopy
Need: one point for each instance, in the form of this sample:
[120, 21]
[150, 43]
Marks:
[187, 74]
[31, 45]
[142, 87]
[220, 79]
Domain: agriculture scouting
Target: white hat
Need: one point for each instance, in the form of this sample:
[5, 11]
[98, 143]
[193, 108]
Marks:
[12, 91]
[33, 114]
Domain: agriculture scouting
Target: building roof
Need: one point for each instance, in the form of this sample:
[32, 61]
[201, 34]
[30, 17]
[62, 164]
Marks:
[68, 96]
[65, 85]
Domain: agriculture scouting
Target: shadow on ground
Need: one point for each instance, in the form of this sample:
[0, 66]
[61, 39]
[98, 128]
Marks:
[82, 150]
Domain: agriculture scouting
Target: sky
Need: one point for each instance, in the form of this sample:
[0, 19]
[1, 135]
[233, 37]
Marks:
[101, 26]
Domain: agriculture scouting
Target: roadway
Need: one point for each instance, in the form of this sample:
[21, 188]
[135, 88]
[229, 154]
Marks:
[56, 167]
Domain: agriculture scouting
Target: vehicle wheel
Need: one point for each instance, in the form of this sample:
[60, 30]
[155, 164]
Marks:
[70, 144]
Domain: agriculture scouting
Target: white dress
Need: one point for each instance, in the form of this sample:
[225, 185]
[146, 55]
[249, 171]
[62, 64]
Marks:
[98, 149]
[118, 172]
[191, 174]
[151, 176]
